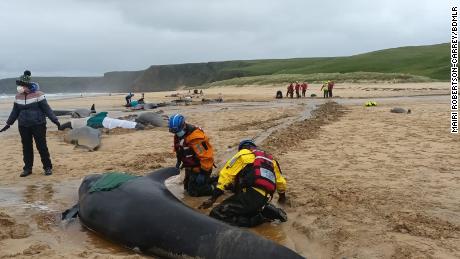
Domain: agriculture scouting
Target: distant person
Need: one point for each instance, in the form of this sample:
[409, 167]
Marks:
[304, 87]
[141, 101]
[279, 94]
[297, 89]
[290, 91]
[31, 109]
[325, 90]
[128, 98]
[254, 176]
[194, 153]
[330, 86]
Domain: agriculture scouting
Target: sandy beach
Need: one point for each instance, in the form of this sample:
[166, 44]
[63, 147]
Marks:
[362, 182]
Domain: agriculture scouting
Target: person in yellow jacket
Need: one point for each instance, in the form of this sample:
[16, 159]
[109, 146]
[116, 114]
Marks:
[325, 89]
[254, 176]
[195, 154]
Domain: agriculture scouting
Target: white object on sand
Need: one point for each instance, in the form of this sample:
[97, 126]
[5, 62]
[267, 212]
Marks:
[111, 123]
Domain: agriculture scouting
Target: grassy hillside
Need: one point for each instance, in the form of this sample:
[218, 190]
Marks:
[430, 61]
[352, 77]
[405, 64]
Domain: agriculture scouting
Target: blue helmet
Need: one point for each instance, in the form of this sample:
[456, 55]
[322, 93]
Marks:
[246, 143]
[176, 123]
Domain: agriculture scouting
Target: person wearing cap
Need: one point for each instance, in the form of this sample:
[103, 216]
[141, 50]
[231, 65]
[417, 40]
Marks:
[31, 109]
[195, 154]
[254, 176]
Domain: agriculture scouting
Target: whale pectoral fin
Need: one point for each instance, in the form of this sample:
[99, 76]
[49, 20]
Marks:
[162, 174]
[71, 213]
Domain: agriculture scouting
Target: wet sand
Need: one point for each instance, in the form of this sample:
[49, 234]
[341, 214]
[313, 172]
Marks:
[362, 182]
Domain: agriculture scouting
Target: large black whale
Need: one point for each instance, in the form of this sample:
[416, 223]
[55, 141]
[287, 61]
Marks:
[144, 215]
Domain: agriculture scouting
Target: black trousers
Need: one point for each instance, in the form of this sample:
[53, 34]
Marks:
[242, 209]
[198, 184]
[37, 133]
[330, 93]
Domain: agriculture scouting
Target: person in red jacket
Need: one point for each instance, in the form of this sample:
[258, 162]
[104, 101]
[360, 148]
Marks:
[297, 89]
[330, 86]
[304, 87]
[290, 91]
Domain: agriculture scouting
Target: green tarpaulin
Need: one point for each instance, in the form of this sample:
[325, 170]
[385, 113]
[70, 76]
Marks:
[95, 122]
[110, 181]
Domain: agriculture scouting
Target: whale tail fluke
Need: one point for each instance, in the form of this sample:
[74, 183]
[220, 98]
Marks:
[162, 174]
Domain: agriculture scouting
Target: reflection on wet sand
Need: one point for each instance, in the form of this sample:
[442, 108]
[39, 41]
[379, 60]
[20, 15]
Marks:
[42, 193]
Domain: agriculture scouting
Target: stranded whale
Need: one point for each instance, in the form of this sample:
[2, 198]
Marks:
[144, 215]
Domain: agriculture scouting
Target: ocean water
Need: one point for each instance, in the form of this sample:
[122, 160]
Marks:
[8, 98]
[55, 96]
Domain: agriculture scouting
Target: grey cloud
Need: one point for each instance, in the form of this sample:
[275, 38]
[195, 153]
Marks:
[83, 37]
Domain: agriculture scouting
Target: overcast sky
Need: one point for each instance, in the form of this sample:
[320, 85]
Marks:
[90, 37]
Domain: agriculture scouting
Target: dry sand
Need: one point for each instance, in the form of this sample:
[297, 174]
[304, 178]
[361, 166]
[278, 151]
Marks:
[362, 182]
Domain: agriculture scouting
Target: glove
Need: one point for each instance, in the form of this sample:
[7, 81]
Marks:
[5, 128]
[178, 163]
[281, 198]
[208, 203]
[58, 125]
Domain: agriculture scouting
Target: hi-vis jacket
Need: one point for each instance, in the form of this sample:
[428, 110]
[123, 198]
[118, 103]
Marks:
[194, 150]
[237, 163]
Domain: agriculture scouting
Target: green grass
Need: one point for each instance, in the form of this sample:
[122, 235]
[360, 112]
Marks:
[430, 61]
[352, 77]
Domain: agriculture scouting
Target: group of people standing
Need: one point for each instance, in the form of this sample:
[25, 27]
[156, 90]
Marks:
[327, 88]
[251, 174]
[297, 87]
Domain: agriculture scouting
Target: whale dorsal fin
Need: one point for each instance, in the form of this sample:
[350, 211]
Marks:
[162, 174]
